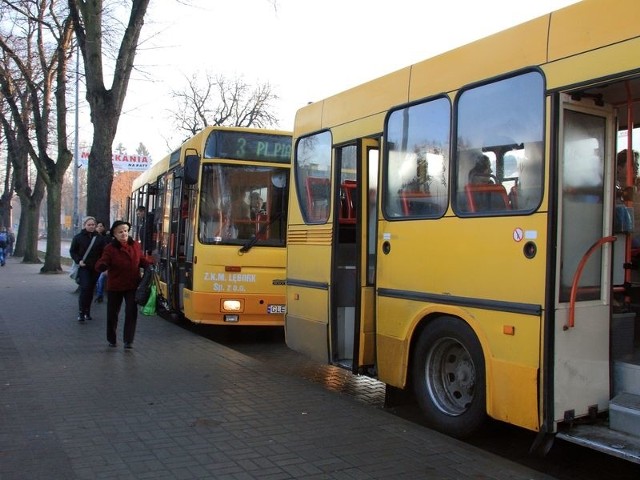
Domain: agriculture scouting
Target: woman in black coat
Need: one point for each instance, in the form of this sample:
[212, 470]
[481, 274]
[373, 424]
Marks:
[87, 274]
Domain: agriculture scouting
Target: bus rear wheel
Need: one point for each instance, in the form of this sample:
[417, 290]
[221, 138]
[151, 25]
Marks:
[449, 377]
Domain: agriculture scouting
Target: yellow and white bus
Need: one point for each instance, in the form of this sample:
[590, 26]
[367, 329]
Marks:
[454, 230]
[218, 207]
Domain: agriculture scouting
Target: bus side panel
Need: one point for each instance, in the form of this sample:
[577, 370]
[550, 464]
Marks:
[308, 291]
[511, 361]
[367, 352]
[451, 68]
[603, 29]
[597, 63]
[455, 265]
[305, 326]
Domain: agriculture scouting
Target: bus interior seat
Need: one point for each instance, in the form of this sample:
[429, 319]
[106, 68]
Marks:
[487, 197]
[348, 198]
[415, 203]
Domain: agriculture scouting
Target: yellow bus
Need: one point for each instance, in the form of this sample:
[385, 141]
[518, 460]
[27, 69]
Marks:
[454, 230]
[217, 210]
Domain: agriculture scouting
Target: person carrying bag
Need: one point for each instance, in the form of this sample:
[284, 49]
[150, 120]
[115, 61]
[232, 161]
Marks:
[75, 267]
[86, 248]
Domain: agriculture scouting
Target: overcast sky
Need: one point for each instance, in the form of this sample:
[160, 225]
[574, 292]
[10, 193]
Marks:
[305, 49]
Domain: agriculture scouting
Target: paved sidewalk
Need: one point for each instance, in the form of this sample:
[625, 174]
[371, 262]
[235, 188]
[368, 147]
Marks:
[179, 406]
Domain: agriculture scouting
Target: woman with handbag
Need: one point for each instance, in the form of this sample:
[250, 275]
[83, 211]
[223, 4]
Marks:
[86, 248]
[123, 259]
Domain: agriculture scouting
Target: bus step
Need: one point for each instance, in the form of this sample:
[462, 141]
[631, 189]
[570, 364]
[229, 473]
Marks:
[603, 439]
[624, 414]
[626, 376]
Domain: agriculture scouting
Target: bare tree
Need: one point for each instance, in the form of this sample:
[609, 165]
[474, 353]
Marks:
[105, 104]
[217, 100]
[8, 184]
[26, 245]
[37, 54]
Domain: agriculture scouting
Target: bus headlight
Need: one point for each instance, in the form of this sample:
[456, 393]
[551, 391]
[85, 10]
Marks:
[231, 305]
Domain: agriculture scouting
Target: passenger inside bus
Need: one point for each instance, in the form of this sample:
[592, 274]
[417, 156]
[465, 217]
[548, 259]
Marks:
[256, 205]
[484, 192]
[240, 216]
[210, 221]
[481, 173]
[625, 220]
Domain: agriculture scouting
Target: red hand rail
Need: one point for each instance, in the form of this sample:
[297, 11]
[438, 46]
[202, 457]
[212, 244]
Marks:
[578, 274]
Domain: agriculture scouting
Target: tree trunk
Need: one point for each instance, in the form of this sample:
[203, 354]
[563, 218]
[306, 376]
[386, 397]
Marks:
[28, 233]
[52, 255]
[105, 105]
[100, 173]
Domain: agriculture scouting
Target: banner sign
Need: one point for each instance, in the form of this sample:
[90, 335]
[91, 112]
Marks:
[122, 161]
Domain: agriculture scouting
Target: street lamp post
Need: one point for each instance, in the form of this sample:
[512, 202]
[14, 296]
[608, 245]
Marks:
[76, 163]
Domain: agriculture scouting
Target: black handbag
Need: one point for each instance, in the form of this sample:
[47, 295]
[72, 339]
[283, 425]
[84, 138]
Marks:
[144, 287]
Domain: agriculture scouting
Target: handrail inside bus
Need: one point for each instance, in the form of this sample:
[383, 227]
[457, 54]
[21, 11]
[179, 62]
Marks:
[630, 179]
[576, 278]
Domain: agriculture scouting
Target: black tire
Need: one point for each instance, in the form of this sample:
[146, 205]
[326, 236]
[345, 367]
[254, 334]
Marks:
[449, 377]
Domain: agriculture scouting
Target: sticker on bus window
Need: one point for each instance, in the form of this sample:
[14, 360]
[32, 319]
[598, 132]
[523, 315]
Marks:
[276, 309]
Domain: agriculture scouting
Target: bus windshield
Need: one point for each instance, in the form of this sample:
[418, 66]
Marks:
[242, 203]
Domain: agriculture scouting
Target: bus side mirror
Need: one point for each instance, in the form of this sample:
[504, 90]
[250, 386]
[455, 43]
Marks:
[191, 169]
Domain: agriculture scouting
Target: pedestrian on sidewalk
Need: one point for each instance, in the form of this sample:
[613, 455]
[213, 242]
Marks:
[4, 240]
[11, 240]
[101, 228]
[87, 240]
[123, 259]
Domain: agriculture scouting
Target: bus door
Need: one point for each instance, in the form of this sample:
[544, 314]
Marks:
[584, 259]
[176, 241]
[352, 326]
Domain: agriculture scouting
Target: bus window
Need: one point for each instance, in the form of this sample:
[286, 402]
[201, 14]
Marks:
[238, 203]
[313, 168]
[500, 127]
[417, 160]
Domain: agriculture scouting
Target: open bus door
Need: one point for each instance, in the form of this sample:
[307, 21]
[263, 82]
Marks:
[584, 273]
[593, 373]
[177, 229]
[331, 266]
[352, 326]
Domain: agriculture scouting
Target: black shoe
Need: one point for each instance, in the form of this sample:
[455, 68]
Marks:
[112, 345]
[128, 345]
[99, 299]
[87, 316]
[81, 317]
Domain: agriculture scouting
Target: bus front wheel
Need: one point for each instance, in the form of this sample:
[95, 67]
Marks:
[449, 377]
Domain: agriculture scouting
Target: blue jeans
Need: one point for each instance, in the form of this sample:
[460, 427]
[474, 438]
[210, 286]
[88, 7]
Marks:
[2, 252]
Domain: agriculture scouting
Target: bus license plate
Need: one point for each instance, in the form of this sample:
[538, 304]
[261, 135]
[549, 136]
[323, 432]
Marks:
[277, 309]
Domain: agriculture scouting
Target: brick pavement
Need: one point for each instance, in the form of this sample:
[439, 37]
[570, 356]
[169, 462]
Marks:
[179, 406]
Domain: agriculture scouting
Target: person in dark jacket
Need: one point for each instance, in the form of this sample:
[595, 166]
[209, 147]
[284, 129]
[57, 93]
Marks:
[86, 271]
[144, 232]
[101, 228]
[122, 258]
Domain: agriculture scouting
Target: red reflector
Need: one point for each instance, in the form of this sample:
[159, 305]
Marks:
[232, 269]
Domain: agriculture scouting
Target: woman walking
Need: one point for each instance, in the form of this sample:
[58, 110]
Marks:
[101, 228]
[122, 258]
[85, 249]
